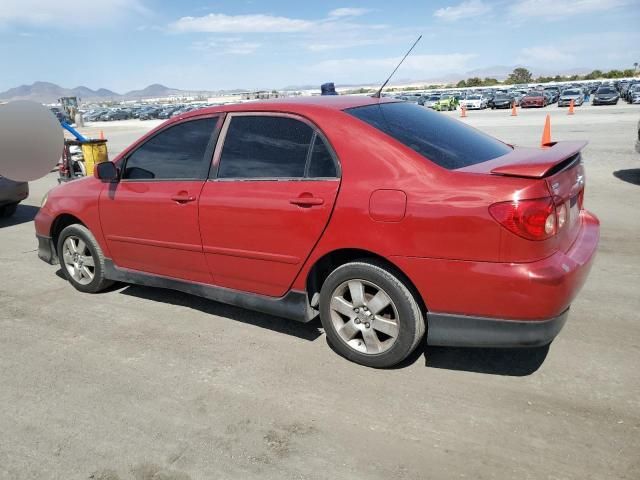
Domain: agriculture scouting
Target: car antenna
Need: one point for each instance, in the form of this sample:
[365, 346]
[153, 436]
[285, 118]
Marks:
[379, 92]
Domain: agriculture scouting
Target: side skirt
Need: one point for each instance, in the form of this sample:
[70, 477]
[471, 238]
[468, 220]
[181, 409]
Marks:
[294, 305]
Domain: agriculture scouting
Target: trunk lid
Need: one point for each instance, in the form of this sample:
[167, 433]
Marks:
[559, 165]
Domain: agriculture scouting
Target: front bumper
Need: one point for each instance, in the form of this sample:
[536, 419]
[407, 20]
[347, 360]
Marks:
[46, 250]
[486, 303]
[600, 101]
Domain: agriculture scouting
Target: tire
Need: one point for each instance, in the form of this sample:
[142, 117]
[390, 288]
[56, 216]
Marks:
[375, 339]
[76, 265]
[8, 210]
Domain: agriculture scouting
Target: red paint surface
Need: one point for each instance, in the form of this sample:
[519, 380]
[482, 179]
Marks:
[250, 236]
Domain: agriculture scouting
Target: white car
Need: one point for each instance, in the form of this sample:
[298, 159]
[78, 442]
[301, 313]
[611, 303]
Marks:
[474, 102]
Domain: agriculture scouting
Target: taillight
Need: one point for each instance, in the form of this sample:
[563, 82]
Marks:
[581, 199]
[531, 219]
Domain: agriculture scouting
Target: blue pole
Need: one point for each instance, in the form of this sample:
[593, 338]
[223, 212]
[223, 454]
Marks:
[73, 132]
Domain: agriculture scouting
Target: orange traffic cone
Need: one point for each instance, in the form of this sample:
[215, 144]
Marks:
[101, 135]
[546, 133]
[463, 111]
[514, 110]
[570, 112]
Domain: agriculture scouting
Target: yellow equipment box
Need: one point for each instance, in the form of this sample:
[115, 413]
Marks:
[94, 151]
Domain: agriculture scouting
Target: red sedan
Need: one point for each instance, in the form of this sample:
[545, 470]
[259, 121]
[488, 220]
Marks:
[534, 99]
[384, 218]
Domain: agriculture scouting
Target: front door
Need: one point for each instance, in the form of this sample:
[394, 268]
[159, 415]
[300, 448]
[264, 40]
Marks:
[150, 217]
[270, 197]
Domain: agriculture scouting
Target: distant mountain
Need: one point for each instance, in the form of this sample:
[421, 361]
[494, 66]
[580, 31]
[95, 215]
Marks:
[47, 92]
[152, 91]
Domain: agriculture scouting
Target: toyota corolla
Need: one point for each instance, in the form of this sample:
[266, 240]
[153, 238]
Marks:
[385, 219]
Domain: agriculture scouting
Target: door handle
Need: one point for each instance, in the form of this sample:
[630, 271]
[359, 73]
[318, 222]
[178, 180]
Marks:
[306, 201]
[183, 198]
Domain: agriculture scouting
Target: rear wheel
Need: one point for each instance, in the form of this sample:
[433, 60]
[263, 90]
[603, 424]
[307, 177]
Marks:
[81, 259]
[369, 315]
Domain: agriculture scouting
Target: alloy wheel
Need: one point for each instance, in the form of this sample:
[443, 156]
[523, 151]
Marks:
[364, 316]
[78, 260]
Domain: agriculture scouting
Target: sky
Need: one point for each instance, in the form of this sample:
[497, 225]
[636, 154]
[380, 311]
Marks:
[209, 45]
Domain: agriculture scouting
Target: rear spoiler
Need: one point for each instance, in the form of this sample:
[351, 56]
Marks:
[539, 162]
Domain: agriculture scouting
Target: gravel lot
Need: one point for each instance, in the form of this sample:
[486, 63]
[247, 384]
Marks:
[141, 383]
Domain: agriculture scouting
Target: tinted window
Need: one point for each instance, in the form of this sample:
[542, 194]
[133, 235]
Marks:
[175, 153]
[265, 147]
[321, 164]
[439, 138]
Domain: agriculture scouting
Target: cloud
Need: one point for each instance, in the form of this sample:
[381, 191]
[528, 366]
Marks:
[467, 9]
[222, 23]
[227, 46]
[578, 50]
[69, 14]
[558, 9]
[348, 12]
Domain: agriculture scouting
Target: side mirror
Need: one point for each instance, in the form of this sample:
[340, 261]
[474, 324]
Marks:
[106, 171]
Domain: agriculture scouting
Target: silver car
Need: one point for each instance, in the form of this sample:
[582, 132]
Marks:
[11, 194]
[574, 94]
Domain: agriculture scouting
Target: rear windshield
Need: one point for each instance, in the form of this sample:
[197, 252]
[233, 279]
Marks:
[445, 141]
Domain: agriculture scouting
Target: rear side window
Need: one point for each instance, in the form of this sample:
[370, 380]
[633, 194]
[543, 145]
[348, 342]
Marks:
[446, 142]
[321, 163]
[265, 147]
[175, 153]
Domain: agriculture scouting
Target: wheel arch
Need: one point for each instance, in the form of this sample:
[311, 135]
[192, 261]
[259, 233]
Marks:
[61, 222]
[327, 263]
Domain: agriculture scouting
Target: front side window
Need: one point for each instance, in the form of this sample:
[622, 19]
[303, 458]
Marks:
[278, 147]
[175, 153]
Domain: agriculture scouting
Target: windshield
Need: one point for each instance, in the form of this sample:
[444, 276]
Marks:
[606, 90]
[473, 97]
[572, 92]
[534, 94]
[443, 140]
[434, 97]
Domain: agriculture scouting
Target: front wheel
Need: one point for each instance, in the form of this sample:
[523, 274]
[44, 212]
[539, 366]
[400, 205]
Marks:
[369, 315]
[81, 259]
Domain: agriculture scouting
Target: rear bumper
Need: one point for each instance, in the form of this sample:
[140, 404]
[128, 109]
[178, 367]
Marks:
[499, 298]
[463, 331]
[12, 192]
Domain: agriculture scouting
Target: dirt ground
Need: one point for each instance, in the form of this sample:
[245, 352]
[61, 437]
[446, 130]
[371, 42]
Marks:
[141, 383]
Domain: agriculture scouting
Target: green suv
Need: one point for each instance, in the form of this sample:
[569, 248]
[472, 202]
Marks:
[446, 102]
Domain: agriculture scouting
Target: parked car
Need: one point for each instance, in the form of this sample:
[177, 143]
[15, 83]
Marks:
[574, 94]
[633, 94]
[534, 98]
[430, 101]
[501, 100]
[380, 255]
[606, 95]
[474, 102]
[11, 194]
[554, 93]
[115, 115]
[446, 102]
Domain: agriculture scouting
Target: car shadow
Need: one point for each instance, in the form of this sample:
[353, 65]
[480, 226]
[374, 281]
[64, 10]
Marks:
[306, 331]
[512, 362]
[631, 175]
[24, 214]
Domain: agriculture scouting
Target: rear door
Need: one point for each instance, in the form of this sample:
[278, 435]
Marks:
[273, 186]
[150, 217]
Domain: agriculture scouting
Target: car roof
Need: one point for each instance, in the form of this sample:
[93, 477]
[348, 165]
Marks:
[295, 105]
